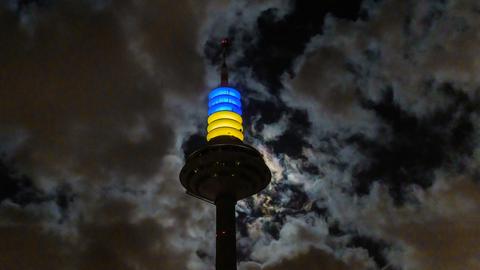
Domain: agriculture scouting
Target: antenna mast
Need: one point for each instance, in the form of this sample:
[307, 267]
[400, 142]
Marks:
[224, 70]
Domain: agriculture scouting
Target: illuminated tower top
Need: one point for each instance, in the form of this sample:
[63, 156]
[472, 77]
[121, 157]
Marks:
[224, 106]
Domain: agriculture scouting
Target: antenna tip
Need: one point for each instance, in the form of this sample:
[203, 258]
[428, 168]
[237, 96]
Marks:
[225, 42]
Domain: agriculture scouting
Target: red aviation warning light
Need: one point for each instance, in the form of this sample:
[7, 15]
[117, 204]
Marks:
[225, 43]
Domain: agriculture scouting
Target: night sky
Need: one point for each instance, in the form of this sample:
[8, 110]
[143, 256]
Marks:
[367, 113]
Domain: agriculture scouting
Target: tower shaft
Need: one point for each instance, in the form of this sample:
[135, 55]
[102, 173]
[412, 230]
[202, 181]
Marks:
[224, 70]
[226, 250]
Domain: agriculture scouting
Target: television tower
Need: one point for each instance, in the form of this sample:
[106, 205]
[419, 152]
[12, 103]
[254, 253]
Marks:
[225, 170]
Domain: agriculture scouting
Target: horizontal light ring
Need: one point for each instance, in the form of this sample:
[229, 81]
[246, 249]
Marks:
[224, 131]
[225, 99]
[225, 115]
[224, 91]
[225, 123]
[224, 107]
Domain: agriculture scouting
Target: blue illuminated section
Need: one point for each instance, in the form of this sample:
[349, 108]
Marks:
[225, 99]
[224, 91]
[224, 113]
[220, 107]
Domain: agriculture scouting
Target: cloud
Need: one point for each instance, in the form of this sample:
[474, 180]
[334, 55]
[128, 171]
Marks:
[439, 231]
[404, 47]
[89, 112]
[304, 243]
[316, 259]
[76, 89]
[382, 81]
[312, 259]
[107, 239]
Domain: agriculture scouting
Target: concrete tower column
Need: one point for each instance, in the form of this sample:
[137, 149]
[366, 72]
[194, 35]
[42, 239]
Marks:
[226, 255]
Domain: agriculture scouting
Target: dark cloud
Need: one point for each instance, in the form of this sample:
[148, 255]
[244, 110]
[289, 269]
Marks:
[376, 249]
[443, 215]
[109, 238]
[86, 90]
[381, 109]
[77, 88]
[315, 259]
[412, 148]
[27, 247]
[280, 41]
[112, 240]
[16, 187]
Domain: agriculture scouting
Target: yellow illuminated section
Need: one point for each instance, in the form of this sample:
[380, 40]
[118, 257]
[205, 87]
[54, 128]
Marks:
[225, 113]
[225, 131]
[225, 123]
